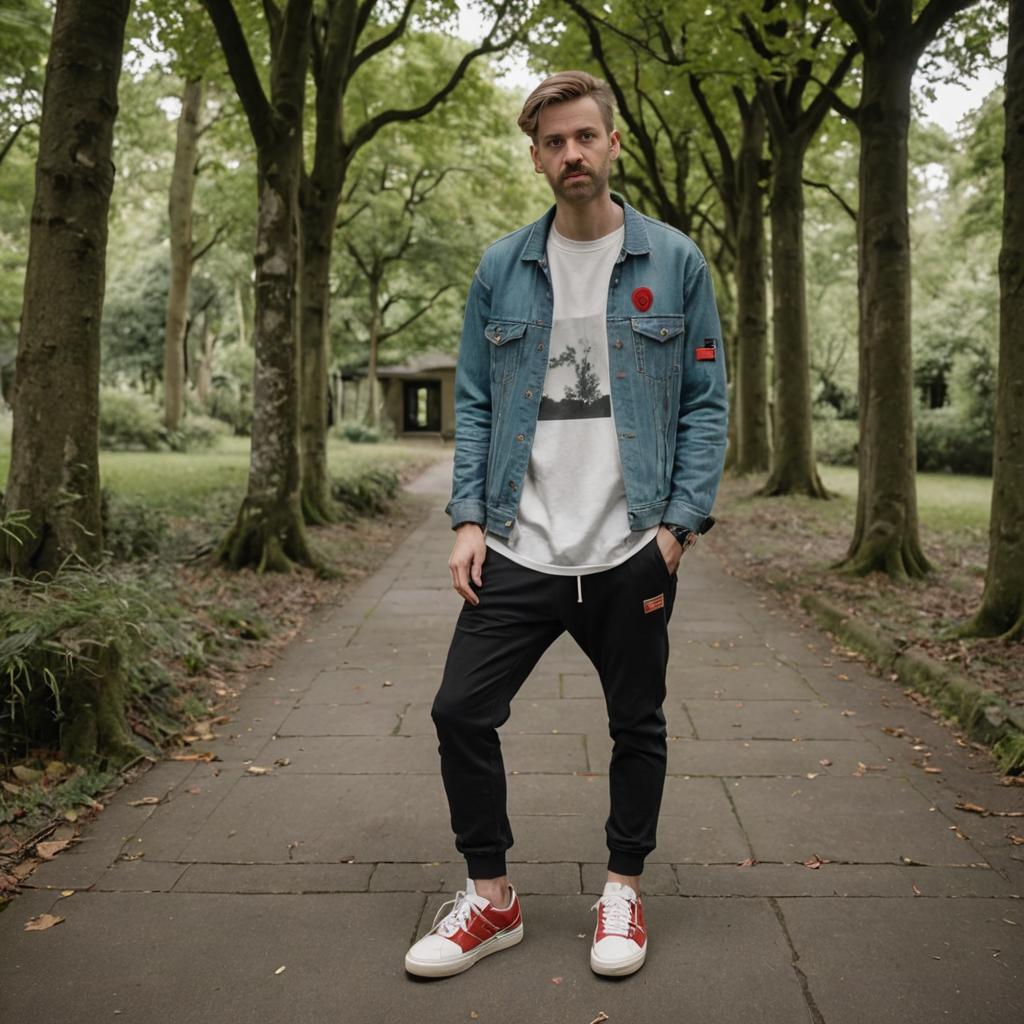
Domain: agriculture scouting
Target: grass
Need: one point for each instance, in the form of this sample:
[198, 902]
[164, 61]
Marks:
[185, 483]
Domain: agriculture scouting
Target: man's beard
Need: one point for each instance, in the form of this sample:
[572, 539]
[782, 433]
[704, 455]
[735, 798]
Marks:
[582, 188]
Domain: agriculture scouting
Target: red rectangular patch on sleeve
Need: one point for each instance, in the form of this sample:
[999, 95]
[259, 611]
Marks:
[652, 604]
[705, 353]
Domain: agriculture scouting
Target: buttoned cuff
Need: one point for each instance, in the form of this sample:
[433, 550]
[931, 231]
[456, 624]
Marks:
[680, 514]
[467, 510]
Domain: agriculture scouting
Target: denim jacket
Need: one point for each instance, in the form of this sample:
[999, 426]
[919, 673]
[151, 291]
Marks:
[668, 400]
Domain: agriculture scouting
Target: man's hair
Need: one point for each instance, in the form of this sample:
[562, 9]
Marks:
[567, 85]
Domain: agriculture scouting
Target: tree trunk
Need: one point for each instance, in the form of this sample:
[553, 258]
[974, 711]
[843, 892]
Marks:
[179, 208]
[268, 532]
[319, 215]
[54, 471]
[204, 364]
[240, 314]
[886, 530]
[751, 395]
[1002, 605]
[372, 416]
[793, 467]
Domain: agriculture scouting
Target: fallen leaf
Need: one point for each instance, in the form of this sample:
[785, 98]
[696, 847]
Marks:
[812, 775]
[51, 849]
[814, 861]
[932, 770]
[283, 762]
[146, 801]
[67, 892]
[825, 761]
[975, 808]
[473, 1015]
[917, 892]
[280, 969]
[42, 922]
[842, 677]
[600, 1017]
[748, 863]
[556, 981]
[847, 712]
[195, 755]
[1017, 840]
[255, 769]
[25, 774]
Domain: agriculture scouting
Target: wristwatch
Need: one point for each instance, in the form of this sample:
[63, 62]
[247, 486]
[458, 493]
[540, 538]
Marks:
[683, 534]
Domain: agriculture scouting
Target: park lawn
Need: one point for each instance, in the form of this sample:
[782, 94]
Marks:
[186, 483]
[791, 544]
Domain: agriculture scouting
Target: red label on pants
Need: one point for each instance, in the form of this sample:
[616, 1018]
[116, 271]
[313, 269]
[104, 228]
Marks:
[652, 604]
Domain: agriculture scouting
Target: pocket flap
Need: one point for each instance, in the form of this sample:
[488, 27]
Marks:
[658, 328]
[499, 331]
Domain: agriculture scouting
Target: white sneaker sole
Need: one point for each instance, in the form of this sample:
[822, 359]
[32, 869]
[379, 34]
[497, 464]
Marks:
[618, 968]
[446, 968]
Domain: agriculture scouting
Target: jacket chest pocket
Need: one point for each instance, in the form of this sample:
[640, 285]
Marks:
[506, 338]
[657, 345]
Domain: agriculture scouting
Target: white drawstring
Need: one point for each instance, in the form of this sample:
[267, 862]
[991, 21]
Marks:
[579, 590]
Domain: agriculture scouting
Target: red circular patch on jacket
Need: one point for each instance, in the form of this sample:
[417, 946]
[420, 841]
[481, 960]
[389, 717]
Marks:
[642, 299]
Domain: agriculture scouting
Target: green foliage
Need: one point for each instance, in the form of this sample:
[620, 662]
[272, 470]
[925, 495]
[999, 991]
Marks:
[131, 529]
[131, 421]
[949, 442]
[359, 433]
[835, 441]
[54, 634]
[367, 492]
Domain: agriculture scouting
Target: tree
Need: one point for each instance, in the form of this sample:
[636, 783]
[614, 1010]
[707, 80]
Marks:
[348, 39]
[23, 45]
[179, 210]
[268, 532]
[54, 472]
[792, 124]
[892, 42]
[1002, 604]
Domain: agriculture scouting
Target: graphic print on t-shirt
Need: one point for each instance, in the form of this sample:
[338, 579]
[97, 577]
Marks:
[576, 383]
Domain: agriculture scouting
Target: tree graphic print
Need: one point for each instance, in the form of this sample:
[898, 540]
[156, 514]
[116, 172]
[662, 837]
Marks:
[587, 384]
[581, 399]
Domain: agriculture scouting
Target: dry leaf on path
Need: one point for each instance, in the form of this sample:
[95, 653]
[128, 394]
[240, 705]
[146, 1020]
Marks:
[51, 849]
[932, 770]
[145, 801]
[255, 769]
[42, 922]
[814, 861]
[195, 755]
[600, 1017]
[1017, 840]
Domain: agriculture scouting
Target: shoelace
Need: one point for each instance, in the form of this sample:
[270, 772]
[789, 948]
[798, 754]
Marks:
[457, 917]
[616, 914]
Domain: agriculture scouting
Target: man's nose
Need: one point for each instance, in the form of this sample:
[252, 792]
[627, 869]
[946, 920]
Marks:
[572, 152]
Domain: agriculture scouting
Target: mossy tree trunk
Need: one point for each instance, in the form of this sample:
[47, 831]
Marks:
[54, 471]
[268, 533]
[179, 210]
[1002, 604]
[886, 535]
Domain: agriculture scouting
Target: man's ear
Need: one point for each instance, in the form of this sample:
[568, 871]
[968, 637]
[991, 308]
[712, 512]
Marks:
[536, 162]
[615, 143]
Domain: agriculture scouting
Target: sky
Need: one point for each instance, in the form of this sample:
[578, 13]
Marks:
[951, 102]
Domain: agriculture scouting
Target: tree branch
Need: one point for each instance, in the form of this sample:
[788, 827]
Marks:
[382, 42]
[203, 250]
[241, 68]
[931, 20]
[835, 195]
[856, 14]
[385, 335]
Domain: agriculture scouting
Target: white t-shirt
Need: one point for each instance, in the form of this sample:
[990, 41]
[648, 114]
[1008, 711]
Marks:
[572, 517]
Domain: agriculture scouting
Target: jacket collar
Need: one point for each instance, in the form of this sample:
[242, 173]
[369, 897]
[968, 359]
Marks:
[635, 243]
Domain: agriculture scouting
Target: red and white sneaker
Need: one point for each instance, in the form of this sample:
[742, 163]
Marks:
[472, 929]
[620, 938]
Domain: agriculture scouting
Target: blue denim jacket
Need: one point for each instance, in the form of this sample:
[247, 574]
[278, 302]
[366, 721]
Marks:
[670, 407]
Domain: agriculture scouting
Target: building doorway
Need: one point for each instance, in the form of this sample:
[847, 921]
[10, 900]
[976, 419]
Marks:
[422, 402]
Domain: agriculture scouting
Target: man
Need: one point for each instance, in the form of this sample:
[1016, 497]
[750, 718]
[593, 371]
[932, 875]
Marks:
[590, 436]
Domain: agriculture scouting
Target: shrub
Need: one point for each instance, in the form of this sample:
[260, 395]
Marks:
[197, 432]
[835, 441]
[949, 442]
[359, 433]
[367, 492]
[129, 421]
[231, 406]
[131, 528]
[74, 655]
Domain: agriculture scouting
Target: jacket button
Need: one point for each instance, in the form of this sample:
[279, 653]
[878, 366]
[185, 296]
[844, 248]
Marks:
[512, 484]
[520, 437]
[540, 347]
[663, 332]
[529, 394]
[618, 343]
[508, 522]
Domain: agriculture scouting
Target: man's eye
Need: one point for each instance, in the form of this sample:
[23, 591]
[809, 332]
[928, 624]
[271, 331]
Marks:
[587, 136]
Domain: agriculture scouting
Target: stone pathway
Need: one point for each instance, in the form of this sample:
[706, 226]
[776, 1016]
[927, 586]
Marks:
[292, 896]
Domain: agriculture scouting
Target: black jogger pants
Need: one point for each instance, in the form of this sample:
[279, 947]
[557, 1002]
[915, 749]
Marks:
[621, 625]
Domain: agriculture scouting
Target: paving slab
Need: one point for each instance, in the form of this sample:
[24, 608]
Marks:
[927, 960]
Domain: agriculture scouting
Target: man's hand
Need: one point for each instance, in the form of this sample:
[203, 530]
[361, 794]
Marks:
[467, 559]
[671, 549]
